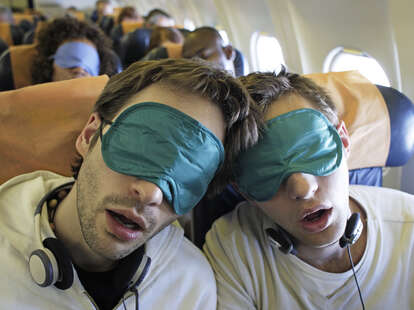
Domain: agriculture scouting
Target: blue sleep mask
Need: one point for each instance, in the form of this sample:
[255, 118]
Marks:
[164, 146]
[298, 141]
[78, 54]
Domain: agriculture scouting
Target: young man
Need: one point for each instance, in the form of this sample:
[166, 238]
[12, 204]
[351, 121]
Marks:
[281, 248]
[159, 134]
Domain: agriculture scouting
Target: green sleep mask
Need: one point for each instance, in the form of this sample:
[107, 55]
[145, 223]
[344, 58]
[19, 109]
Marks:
[298, 141]
[164, 146]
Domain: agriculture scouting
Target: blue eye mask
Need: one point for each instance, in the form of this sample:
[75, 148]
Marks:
[78, 54]
[298, 141]
[164, 146]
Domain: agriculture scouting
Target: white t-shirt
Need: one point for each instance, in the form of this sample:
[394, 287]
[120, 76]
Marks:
[253, 274]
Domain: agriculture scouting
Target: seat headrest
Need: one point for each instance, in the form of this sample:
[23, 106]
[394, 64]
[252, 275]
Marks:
[128, 26]
[363, 109]
[5, 34]
[39, 124]
[134, 46]
[401, 114]
[174, 50]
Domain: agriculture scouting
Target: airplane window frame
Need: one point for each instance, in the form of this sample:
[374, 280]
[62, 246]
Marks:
[337, 52]
[254, 44]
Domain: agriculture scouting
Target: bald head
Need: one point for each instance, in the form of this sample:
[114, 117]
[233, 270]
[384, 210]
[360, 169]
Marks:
[206, 43]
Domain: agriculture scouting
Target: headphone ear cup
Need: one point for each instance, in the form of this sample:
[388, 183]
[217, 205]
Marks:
[43, 267]
[64, 263]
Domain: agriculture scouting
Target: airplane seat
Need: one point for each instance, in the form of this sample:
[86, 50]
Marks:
[401, 115]
[239, 63]
[167, 50]
[15, 67]
[134, 46]
[43, 121]
[380, 121]
[5, 34]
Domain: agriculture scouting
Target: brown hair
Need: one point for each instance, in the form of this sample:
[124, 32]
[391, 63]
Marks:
[127, 12]
[242, 116]
[267, 87]
[161, 34]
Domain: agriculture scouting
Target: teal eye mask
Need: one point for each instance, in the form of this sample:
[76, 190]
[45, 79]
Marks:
[298, 141]
[164, 146]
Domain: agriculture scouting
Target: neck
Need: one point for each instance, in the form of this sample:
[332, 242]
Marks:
[68, 230]
[333, 258]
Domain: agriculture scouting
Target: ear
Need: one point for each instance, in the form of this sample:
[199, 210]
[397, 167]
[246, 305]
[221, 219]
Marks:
[83, 141]
[346, 140]
[229, 52]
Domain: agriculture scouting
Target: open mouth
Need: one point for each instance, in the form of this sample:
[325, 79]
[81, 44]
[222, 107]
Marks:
[313, 217]
[125, 221]
[317, 221]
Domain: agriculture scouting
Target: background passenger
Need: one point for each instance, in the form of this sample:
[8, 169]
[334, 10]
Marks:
[206, 43]
[68, 48]
[286, 247]
[129, 14]
[158, 17]
[102, 8]
[111, 222]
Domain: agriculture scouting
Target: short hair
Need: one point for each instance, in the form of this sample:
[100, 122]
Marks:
[64, 29]
[159, 34]
[152, 17]
[201, 32]
[267, 87]
[127, 12]
[242, 117]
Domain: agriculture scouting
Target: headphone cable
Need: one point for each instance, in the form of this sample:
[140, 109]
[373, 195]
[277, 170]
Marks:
[356, 280]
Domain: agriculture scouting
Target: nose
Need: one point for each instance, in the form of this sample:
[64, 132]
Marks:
[146, 193]
[301, 186]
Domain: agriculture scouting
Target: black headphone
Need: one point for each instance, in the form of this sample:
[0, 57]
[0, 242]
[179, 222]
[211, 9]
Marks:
[281, 239]
[50, 264]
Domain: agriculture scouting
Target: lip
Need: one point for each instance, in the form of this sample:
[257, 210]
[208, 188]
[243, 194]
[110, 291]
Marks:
[132, 216]
[320, 224]
[120, 231]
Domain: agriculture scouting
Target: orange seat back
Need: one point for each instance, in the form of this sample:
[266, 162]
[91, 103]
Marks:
[5, 34]
[364, 111]
[22, 57]
[39, 124]
[128, 26]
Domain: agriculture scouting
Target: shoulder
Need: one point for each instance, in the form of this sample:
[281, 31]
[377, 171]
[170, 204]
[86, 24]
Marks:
[236, 235]
[243, 221]
[385, 203]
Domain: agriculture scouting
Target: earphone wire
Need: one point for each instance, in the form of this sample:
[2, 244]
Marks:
[356, 280]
